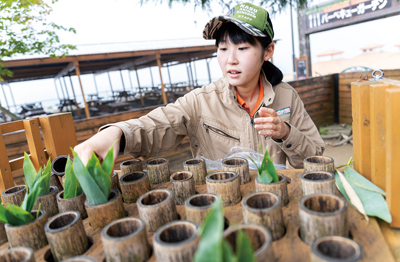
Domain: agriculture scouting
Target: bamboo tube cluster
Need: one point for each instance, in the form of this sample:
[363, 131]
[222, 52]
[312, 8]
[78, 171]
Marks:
[158, 170]
[66, 235]
[176, 242]
[198, 168]
[226, 184]
[279, 188]
[130, 166]
[133, 185]
[238, 165]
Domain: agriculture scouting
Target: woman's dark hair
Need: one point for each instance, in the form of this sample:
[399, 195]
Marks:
[237, 36]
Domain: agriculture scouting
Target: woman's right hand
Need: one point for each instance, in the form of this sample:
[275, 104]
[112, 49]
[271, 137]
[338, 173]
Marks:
[100, 143]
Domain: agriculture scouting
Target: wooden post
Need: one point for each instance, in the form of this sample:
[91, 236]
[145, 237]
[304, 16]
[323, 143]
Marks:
[392, 154]
[6, 178]
[360, 99]
[78, 110]
[378, 129]
[78, 73]
[164, 96]
[140, 89]
[58, 134]
[35, 144]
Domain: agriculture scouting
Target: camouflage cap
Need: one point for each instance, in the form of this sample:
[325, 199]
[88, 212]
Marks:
[252, 19]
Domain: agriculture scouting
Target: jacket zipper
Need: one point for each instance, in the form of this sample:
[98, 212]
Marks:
[218, 131]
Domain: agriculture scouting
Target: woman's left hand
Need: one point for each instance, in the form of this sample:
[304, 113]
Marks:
[270, 124]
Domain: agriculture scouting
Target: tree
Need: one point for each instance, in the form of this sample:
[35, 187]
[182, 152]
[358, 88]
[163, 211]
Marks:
[273, 6]
[24, 30]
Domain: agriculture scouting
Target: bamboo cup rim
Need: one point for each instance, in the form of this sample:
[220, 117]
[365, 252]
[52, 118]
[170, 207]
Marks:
[166, 195]
[188, 175]
[328, 176]
[160, 239]
[108, 231]
[16, 253]
[262, 231]
[62, 221]
[232, 176]
[53, 189]
[80, 259]
[242, 161]
[14, 189]
[277, 201]
[58, 165]
[143, 175]
[341, 202]
[314, 160]
[196, 161]
[281, 177]
[349, 250]
[33, 213]
[190, 202]
[114, 195]
[60, 196]
[156, 161]
[129, 162]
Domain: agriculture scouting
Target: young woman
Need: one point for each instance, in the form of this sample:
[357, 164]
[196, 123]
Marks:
[248, 106]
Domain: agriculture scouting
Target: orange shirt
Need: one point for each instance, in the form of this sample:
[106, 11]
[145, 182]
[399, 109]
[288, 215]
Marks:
[259, 100]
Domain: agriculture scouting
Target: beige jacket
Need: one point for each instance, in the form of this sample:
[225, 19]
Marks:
[215, 122]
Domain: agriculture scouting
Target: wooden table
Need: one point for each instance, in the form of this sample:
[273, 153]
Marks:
[290, 247]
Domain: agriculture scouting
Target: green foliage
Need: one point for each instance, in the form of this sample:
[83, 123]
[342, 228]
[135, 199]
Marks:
[94, 178]
[71, 185]
[369, 194]
[37, 184]
[25, 31]
[213, 247]
[266, 171]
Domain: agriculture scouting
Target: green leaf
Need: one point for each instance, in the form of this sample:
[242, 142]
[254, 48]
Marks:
[46, 178]
[14, 215]
[211, 232]
[244, 248]
[265, 177]
[37, 189]
[103, 179]
[356, 179]
[29, 170]
[373, 202]
[71, 185]
[108, 162]
[267, 172]
[228, 252]
[89, 186]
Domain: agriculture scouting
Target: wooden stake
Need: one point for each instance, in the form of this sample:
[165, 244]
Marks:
[78, 73]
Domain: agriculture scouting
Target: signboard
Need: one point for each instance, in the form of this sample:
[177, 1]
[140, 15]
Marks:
[345, 12]
[301, 67]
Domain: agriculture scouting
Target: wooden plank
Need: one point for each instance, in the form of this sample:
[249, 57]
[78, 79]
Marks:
[35, 143]
[12, 126]
[345, 120]
[378, 129]
[58, 134]
[6, 179]
[393, 153]
[361, 128]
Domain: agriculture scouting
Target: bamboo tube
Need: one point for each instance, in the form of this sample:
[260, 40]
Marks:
[101, 215]
[29, 235]
[265, 209]
[17, 254]
[226, 184]
[322, 215]
[3, 235]
[158, 170]
[198, 206]
[279, 188]
[176, 241]
[58, 165]
[48, 202]
[335, 248]
[260, 239]
[14, 195]
[133, 185]
[130, 166]
[54, 181]
[157, 208]
[238, 165]
[182, 185]
[198, 168]
[66, 235]
[319, 163]
[115, 182]
[125, 240]
[72, 204]
[316, 182]
[80, 259]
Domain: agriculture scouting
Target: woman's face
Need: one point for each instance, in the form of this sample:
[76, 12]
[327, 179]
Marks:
[241, 63]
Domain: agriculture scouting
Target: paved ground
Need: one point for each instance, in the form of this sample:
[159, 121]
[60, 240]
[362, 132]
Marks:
[340, 154]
